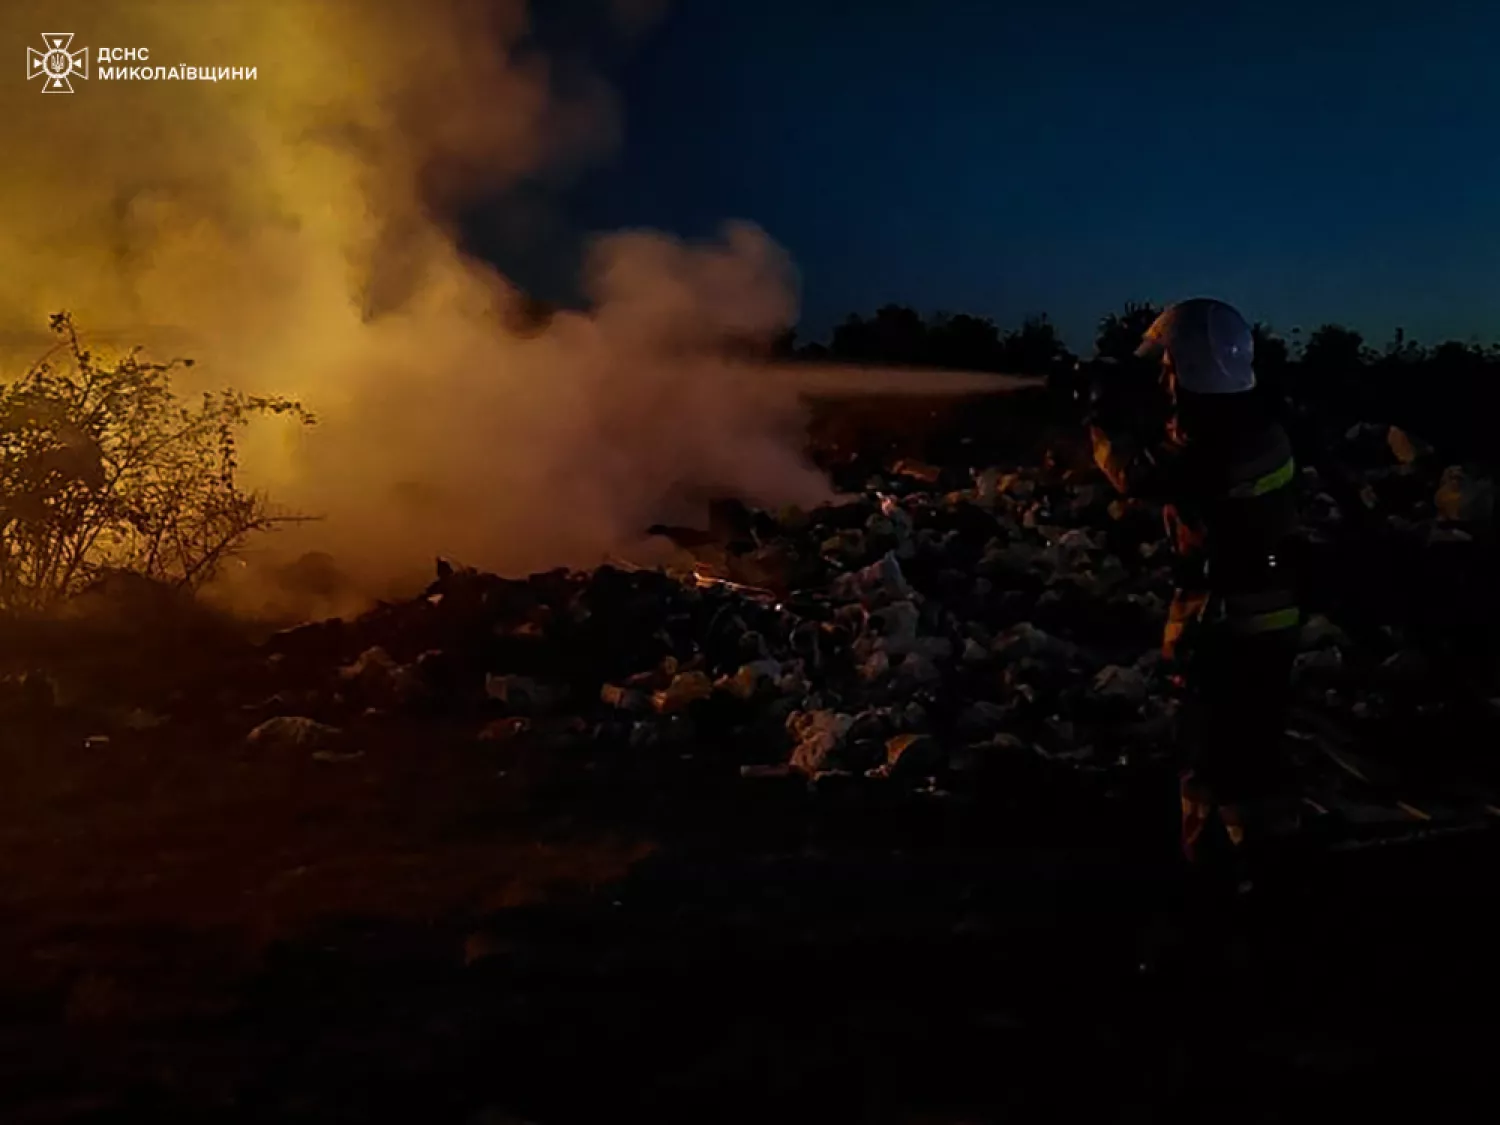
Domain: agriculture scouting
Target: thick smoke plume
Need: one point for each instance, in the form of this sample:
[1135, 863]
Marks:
[296, 235]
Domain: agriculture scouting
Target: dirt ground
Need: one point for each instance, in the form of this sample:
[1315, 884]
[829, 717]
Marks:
[443, 930]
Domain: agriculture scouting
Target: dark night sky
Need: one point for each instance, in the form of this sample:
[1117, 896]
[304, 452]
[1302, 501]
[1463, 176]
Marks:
[1007, 158]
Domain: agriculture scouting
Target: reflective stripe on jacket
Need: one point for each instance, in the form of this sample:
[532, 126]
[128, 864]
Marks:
[1229, 504]
[1241, 615]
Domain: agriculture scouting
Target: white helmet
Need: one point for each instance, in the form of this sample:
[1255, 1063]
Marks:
[1209, 343]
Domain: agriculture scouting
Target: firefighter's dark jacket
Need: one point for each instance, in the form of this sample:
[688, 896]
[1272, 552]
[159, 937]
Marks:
[1228, 486]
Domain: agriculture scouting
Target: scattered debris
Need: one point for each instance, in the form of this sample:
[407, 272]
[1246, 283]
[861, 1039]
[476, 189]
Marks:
[293, 731]
[504, 730]
[820, 737]
[913, 755]
[523, 693]
[1466, 499]
[337, 756]
[685, 689]
[1124, 685]
[138, 718]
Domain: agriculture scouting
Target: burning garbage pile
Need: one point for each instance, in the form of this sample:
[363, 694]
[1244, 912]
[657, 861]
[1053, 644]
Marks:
[921, 632]
[906, 633]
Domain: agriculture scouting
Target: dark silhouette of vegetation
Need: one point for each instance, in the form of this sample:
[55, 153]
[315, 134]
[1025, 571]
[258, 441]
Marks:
[105, 468]
[1120, 333]
[896, 334]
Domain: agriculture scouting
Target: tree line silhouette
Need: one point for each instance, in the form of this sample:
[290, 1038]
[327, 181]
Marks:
[1448, 392]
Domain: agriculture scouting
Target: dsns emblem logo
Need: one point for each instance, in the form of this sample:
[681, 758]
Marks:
[56, 65]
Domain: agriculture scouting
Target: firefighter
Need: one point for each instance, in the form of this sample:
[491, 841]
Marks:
[1225, 475]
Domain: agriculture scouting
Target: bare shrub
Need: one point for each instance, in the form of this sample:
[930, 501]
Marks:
[105, 468]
